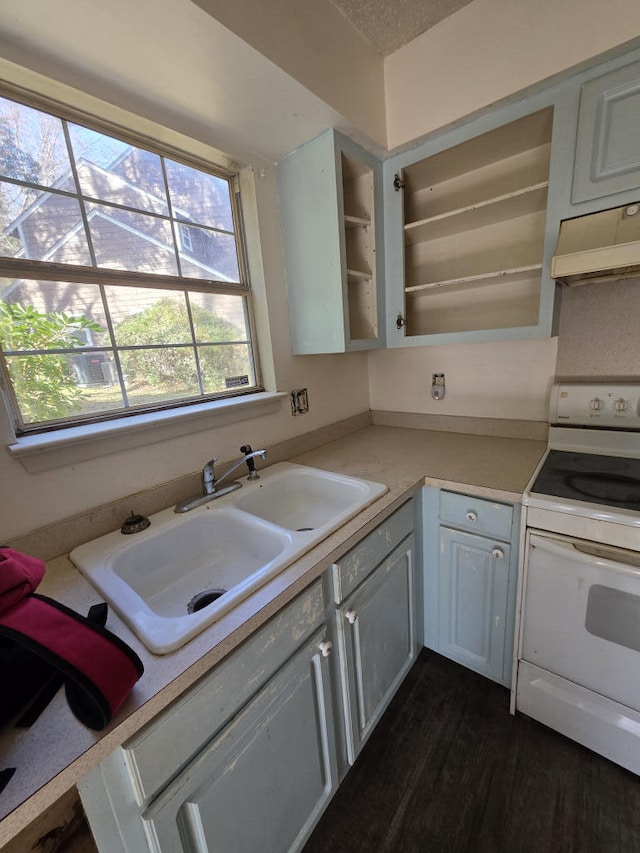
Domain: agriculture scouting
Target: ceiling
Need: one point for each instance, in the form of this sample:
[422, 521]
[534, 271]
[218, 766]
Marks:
[389, 24]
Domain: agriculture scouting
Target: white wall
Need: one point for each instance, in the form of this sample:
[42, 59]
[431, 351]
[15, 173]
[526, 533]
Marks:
[491, 380]
[171, 62]
[314, 43]
[491, 49]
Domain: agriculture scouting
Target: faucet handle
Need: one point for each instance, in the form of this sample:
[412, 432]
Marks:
[251, 465]
[209, 476]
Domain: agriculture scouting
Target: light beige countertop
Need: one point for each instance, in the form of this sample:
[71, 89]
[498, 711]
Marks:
[57, 751]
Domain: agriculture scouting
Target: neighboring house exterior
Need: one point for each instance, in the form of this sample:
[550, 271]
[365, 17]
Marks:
[127, 232]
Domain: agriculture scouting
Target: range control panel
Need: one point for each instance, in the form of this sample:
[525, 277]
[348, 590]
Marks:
[609, 405]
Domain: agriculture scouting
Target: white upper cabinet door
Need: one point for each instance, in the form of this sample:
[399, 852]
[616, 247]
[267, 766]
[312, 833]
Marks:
[608, 143]
[330, 196]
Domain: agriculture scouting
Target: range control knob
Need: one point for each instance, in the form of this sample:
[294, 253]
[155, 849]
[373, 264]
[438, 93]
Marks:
[621, 405]
[596, 405]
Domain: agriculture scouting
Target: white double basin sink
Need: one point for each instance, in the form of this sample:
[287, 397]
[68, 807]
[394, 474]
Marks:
[185, 571]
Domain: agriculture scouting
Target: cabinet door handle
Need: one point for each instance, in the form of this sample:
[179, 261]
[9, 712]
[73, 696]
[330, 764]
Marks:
[351, 616]
[326, 648]
[471, 515]
[497, 553]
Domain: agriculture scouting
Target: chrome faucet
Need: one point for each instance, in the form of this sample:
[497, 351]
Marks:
[210, 481]
[211, 488]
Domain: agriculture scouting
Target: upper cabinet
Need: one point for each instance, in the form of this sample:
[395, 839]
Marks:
[471, 218]
[330, 197]
[608, 141]
[466, 236]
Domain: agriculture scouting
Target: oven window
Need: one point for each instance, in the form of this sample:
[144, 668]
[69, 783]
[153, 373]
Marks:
[614, 615]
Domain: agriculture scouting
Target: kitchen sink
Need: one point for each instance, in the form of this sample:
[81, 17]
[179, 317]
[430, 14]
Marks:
[185, 571]
[171, 580]
[304, 499]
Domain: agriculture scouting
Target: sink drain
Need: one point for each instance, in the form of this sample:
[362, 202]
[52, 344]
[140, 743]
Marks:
[304, 529]
[203, 598]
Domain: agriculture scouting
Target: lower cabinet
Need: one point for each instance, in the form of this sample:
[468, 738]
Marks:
[244, 761]
[265, 779]
[376, 633]
[473, 578]
[248, 758]
[374, 587]
[470, 581]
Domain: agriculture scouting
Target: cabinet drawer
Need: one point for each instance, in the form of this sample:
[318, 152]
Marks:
[165, 745]
[477, 515]
[354, 567]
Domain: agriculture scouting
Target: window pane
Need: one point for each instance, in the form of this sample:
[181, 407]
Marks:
[32, 145]
[112, 170]
[71, 195]
[49, 229]
[159, 375]
[199, 197]
[37, 315]
[208, 254]
[217, 317]
[225, 366]
[125, 240]
[142, 316]
[51, 387]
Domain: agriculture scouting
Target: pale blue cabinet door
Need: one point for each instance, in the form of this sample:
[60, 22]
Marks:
[473, 584]
[376, 632]
[608, 144]
[262, 783]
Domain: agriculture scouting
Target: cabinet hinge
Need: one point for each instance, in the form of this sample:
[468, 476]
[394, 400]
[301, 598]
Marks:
[400, 321]
[398, 183]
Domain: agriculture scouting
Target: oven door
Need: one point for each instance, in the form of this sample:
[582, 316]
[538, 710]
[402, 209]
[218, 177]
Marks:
[582, 614]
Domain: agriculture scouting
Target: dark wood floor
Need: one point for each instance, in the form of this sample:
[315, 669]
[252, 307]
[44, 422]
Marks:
[448, 769]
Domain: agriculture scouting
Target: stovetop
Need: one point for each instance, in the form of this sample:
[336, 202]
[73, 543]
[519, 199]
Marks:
[591, 478]
[592, 465]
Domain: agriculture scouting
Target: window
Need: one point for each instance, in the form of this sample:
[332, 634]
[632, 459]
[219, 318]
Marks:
[122, 282]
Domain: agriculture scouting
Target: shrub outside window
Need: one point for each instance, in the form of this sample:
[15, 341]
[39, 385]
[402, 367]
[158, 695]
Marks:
[122, 282]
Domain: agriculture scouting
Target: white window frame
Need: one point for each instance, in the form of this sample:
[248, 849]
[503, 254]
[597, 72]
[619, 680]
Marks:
[35, 440]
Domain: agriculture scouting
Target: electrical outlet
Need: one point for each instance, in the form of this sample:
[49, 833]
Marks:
[437, 386]
[299, 401]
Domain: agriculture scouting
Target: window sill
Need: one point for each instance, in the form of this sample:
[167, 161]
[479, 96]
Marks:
[64, 447]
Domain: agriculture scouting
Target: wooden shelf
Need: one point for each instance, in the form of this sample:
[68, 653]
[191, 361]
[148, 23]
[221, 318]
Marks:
[356, 221]
[489, 211]
[478, 278]
[498, 147]
[359, 248]
[358, 275]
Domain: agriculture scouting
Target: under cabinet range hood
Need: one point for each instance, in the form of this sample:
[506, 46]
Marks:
[598, 247]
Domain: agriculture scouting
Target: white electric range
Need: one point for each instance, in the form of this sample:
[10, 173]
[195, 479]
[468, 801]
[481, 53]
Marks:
[578, 658]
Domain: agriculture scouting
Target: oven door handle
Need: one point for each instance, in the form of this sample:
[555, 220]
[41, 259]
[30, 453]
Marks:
[625, 563]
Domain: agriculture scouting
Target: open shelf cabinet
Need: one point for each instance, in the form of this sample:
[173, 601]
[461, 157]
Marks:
[473, 231]
[330, 194]
[360, 247]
